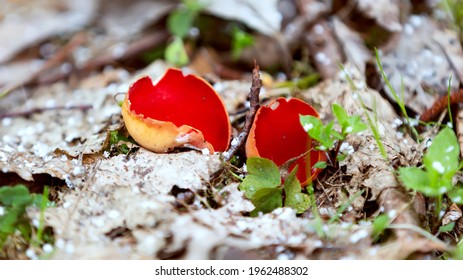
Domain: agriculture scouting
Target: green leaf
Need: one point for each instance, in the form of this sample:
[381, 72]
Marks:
[312, 125]
[292, 185]
[379, 225]
[180, 22]
[9, 220]
[442, 156]
[320, 165]
[341, 157]
[337, 135]
[262, 173]
[299, 202]
[340, 114]
[266, 200]
[359, 127]
[175, 53]
[193, 5]
[293, 196]
[456, 195]
[447, 228]
[240, 41]
[17, 196]
[115, 136]
[418, 180]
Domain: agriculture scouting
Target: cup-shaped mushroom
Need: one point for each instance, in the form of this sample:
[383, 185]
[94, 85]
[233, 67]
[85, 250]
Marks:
[278, 135]
[176, 111]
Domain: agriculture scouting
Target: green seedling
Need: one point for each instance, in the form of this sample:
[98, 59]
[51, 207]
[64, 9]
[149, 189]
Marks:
[380, 224]
[327, 136]
[13, 219]
[264, 187]
[447, 228]
[372, 122]
[179, 23]
[240, 41]
[175, 52]
[118, 143]
[181, 20]
[441, 163]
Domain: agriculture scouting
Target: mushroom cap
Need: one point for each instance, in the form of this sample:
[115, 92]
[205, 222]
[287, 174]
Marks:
[278, 135]
[176, 111]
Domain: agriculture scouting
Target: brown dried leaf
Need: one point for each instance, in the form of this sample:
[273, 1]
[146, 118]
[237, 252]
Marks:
[323, 49]
[133, 16]
[312, 9]
[385, 12]
[453, 214]
[40, 20]
[419, 60]
[55, 141]
[262, 16]
[352, 44]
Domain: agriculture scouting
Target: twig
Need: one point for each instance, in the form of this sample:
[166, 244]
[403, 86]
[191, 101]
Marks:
[440, 105]
[253, 96]
[144, 44]
[54, 61]
[32, 111]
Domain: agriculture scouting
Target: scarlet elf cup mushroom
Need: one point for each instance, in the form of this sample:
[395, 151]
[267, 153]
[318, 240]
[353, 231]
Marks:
[176, 111]
[277, 134]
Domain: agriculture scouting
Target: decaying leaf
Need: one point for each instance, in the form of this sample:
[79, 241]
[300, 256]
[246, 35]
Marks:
[40, 20]
[352, 45]
[261, 16]
[420, 61]
[324, 50]
[385, 12]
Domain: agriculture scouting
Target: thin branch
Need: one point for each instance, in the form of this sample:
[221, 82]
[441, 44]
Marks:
[253, 96]
[32, 111]
[440, 105]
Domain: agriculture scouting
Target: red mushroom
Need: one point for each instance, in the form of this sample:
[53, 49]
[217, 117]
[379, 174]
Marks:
[277, 134]
[176, 111]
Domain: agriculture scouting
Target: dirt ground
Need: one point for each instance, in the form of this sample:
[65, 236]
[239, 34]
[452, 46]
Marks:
[65, 67]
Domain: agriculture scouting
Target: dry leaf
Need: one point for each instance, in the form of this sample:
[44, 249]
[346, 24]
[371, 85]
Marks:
[40, 20]
[421, 63]
[385, 12]
[352, 44]
[262, 16]
[323, 49]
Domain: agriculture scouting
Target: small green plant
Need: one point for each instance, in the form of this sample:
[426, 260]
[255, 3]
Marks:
[13, 204]
[372, 122]
[326, 136]
[454, 10]
[380, 224]
[179, 24]
[264, 187]
[240, 41]
[441, 163]
[118, 143]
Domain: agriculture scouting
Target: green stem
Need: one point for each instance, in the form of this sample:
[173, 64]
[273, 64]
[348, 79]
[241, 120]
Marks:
[43, 207]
